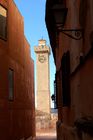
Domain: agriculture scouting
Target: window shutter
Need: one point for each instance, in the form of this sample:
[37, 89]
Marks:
[65, 79]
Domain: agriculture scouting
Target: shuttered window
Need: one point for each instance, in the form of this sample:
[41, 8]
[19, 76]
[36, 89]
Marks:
[65, 79]
[3, 15]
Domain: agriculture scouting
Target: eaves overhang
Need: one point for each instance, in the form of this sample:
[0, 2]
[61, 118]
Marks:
[50, 24]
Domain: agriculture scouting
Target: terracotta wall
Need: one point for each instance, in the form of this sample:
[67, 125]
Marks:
[81, 79]
[17, 117]
[79, 16]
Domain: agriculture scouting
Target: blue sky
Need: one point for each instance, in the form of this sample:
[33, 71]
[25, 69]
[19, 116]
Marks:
[33, 12]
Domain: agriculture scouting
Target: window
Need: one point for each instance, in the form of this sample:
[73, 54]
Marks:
[65, 79]
[3, 15]
[11, 84]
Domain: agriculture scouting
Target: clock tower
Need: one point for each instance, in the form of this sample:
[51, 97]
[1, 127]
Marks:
[43, 76]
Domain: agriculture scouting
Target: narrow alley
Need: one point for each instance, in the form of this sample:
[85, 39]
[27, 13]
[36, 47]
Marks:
[65, 53]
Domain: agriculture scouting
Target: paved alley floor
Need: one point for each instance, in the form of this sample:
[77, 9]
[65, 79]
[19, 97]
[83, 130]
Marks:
[46, 135]
[45, 138]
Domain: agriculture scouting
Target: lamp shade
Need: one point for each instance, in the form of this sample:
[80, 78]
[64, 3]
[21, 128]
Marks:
[59, 13]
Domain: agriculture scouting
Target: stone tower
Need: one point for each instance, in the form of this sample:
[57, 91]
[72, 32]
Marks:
[43, 76]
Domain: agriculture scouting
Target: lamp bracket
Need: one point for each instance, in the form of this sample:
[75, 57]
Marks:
[76, 34]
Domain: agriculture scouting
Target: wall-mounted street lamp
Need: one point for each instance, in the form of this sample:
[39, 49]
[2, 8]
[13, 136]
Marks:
[53, 97]
[60, 13]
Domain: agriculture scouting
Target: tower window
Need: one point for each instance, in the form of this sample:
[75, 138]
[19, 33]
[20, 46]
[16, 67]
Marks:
[11, 84]
[3, 15]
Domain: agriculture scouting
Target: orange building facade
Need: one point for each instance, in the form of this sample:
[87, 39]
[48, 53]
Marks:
[73, 55]
[17, 101]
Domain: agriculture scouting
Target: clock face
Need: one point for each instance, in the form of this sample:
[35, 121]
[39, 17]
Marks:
[42, 58]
